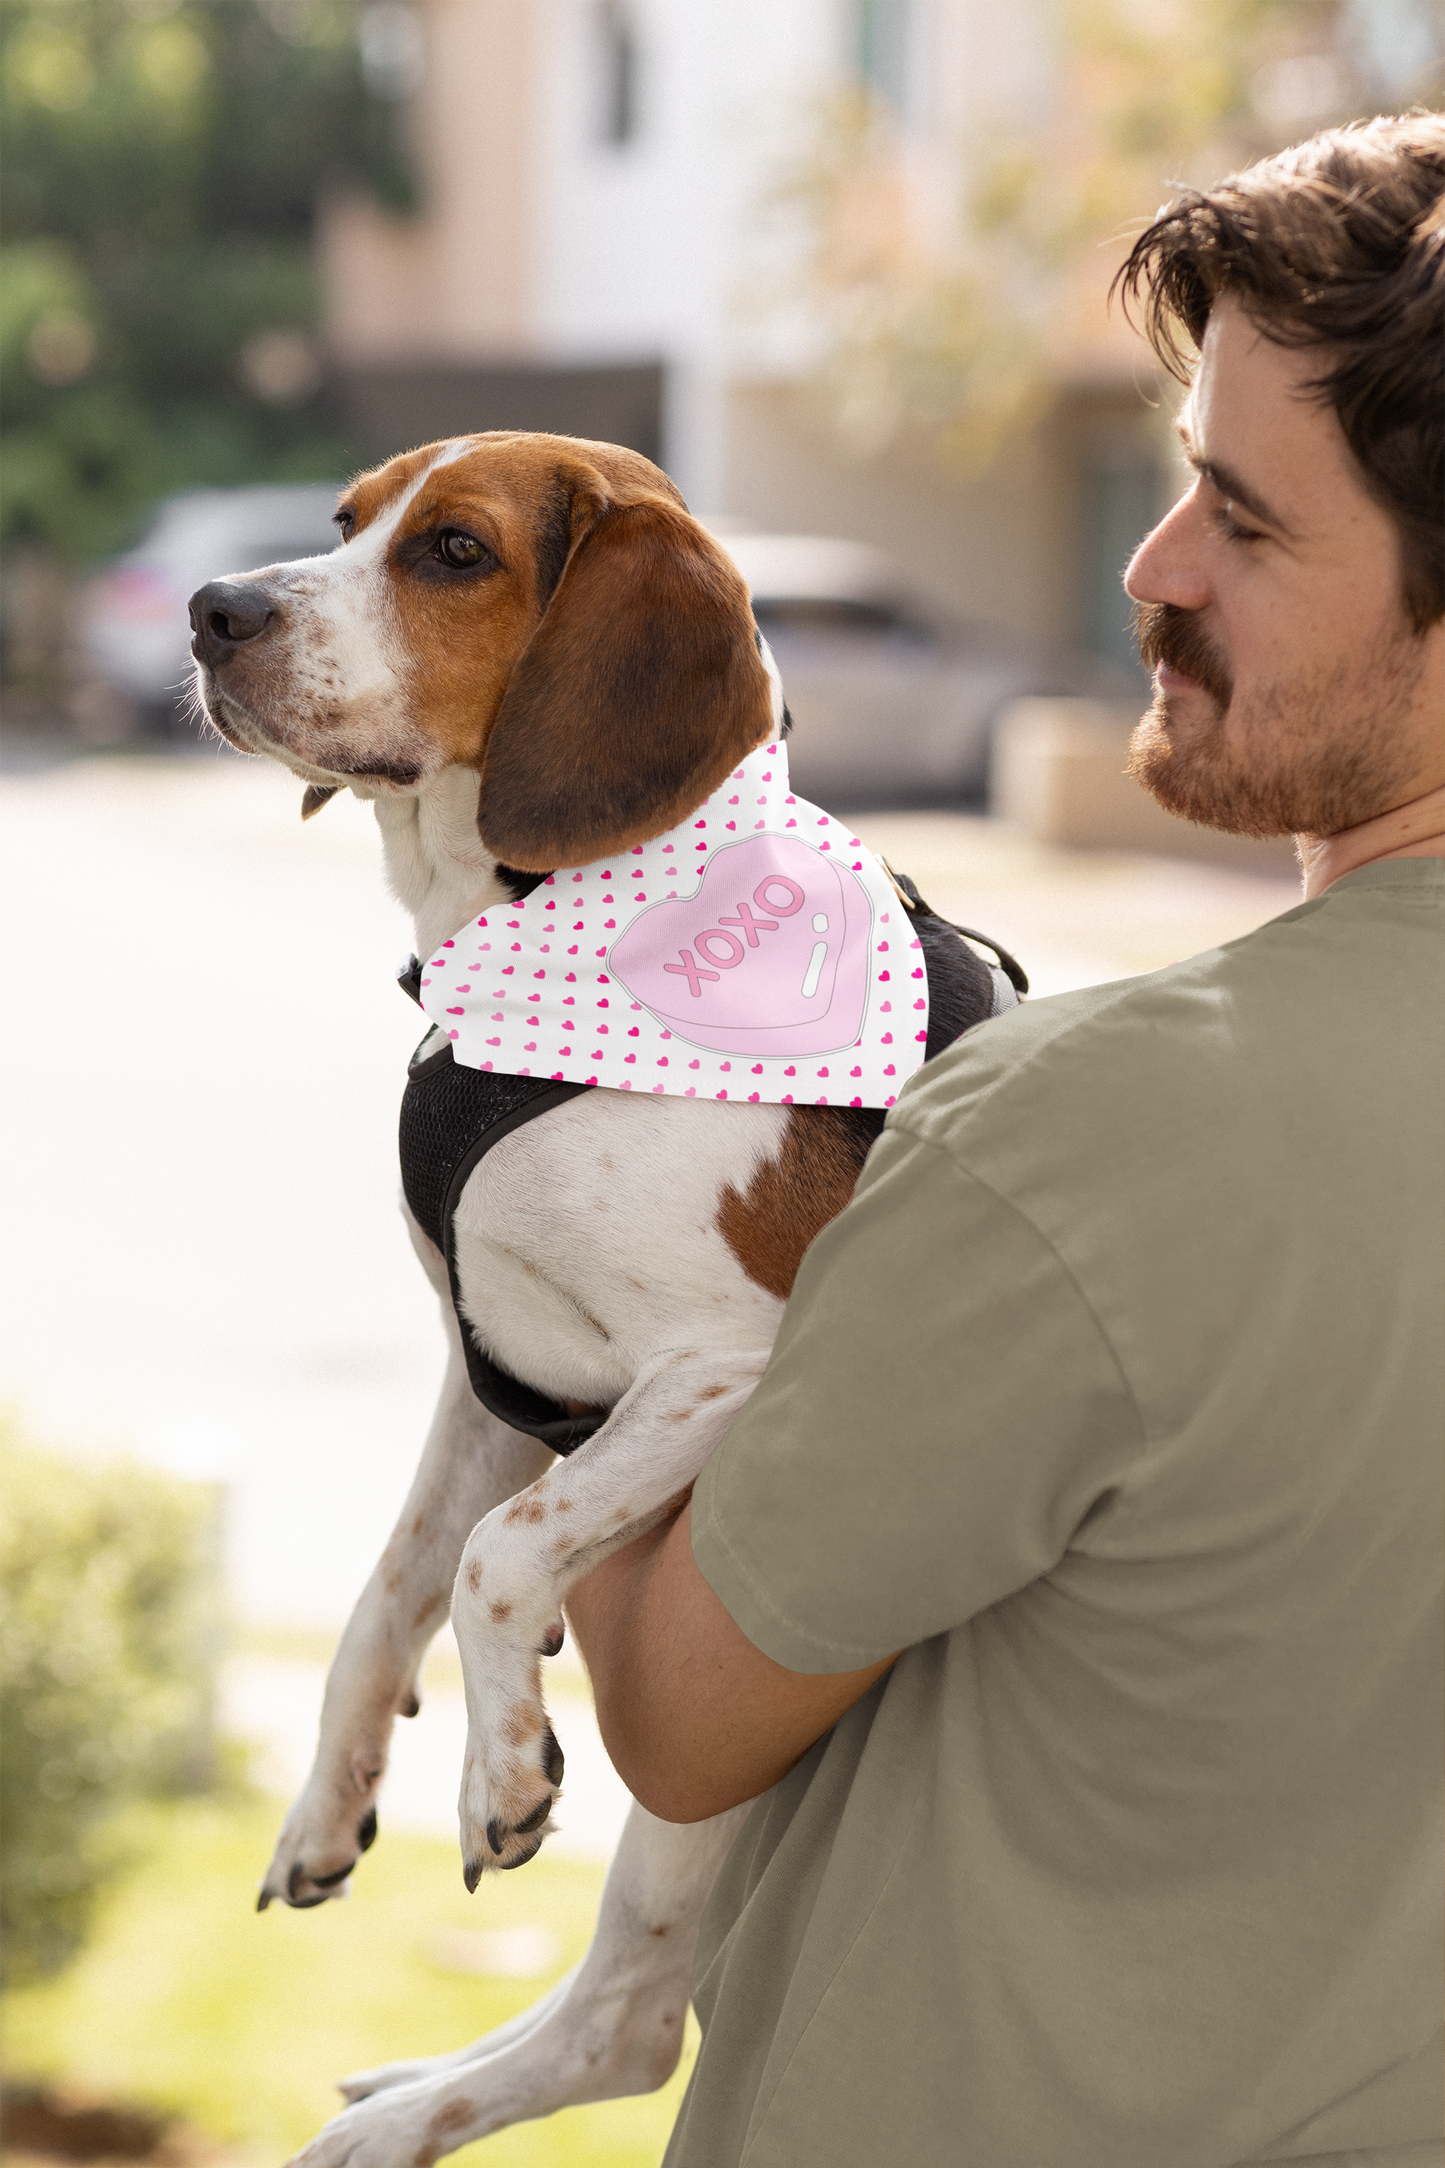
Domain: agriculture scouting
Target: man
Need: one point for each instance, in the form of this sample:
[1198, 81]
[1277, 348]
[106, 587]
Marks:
[1113, 1399]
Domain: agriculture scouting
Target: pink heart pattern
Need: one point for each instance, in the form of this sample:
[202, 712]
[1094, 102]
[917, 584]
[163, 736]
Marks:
[759, 947]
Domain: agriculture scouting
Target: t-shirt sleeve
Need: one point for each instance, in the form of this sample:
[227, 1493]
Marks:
[941, 1411]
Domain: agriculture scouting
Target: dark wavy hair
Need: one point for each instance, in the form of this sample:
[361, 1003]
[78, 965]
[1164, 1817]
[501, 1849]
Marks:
[1338, 243]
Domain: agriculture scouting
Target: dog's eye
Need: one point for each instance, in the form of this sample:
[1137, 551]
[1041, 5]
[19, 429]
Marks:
[346, 521]
[461, 549]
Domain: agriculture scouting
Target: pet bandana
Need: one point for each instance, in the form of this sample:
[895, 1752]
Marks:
[756, 952]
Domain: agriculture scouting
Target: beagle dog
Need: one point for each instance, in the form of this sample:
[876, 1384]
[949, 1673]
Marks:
[528, 655]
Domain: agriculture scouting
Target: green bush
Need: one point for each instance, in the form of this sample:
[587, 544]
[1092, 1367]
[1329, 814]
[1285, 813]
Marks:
[162, 164]
[108, 1645]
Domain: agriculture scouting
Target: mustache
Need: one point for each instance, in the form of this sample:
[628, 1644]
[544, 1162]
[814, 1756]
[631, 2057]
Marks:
[1177, 638]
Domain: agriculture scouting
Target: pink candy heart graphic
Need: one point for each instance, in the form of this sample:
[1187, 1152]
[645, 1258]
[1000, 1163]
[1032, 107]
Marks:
[770, 955]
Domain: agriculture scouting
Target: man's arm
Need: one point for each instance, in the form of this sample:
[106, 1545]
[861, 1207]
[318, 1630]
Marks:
[695, 1718]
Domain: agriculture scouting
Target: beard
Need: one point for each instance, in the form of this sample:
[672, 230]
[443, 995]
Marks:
[1306, 755]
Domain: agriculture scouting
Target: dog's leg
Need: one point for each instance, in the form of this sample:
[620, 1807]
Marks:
[521, 1560]
[471, 1462]
[613, 2026]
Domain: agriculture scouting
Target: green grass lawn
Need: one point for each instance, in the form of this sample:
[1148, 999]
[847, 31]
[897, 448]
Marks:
[239, 2022]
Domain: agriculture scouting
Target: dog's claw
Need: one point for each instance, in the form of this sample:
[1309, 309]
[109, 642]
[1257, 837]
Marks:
[366, 1827]
[553, 1638]
[534, 1820]
[472, 1874]
[262, 1900]
[494, 1836]
[412, 1705]
[553, 1760]
[297, 1876]
[523, 1857]
[329, 1881]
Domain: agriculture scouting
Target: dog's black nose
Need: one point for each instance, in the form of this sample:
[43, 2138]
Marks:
[225, 615]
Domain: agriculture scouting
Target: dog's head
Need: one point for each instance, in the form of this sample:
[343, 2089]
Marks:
[538, 608]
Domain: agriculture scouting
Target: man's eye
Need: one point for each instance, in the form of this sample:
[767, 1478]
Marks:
[1230, 527]
[461, 549]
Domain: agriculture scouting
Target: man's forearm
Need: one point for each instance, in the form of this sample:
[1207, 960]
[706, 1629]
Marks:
[695, 1718]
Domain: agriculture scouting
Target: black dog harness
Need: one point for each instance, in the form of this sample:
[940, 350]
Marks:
[452, 1116]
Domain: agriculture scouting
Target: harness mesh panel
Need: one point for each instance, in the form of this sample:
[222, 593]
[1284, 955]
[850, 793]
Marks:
[444, 1110]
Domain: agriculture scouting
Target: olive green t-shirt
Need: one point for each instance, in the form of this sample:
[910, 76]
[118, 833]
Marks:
[1114, 1399]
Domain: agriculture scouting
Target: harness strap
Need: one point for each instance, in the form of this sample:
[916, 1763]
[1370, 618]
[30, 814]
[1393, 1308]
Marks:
[450, 1119]
[1013, 969]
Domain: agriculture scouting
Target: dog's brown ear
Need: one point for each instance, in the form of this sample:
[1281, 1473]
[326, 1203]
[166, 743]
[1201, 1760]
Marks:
[641, 687]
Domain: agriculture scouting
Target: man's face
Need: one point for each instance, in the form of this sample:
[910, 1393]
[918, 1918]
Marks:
[1291, 695]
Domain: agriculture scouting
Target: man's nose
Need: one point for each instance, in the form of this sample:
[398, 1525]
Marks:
[225, 615]
[1167, 566]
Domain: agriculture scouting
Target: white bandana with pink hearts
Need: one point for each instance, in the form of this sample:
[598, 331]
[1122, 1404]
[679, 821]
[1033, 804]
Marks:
[756, 952]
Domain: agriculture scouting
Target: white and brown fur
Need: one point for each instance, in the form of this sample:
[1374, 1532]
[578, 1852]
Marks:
[583, 677]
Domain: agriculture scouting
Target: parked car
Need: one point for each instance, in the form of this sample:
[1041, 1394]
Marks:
[135, 633]
[887, 705]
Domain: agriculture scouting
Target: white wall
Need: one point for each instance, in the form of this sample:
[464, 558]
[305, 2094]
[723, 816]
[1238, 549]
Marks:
[647, 247]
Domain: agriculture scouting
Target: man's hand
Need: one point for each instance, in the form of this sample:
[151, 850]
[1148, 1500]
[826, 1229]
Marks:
[695, 1718]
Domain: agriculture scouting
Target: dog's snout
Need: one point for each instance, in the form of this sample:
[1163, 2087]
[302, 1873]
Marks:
[226, 614]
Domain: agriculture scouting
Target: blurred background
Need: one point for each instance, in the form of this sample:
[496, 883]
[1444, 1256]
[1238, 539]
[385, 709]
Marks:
[841, 266]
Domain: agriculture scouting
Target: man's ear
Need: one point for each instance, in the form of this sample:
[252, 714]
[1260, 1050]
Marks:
[641, 687]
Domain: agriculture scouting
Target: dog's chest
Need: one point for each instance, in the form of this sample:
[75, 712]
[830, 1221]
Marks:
[580, 1230]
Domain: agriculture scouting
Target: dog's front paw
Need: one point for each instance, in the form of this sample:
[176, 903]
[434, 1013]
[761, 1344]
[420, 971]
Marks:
[506, 1614]
[321, 1840]
[412, 2125]
[510, 1782]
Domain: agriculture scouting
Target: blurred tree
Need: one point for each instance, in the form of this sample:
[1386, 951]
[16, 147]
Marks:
[108, 1645]
[163, 159]
[948, 285]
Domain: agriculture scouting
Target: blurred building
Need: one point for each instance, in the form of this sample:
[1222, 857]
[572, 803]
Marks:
[594, 254]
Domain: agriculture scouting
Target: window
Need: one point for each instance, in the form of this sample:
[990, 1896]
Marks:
[616, 42]
[1121, 503]
[884, 49]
